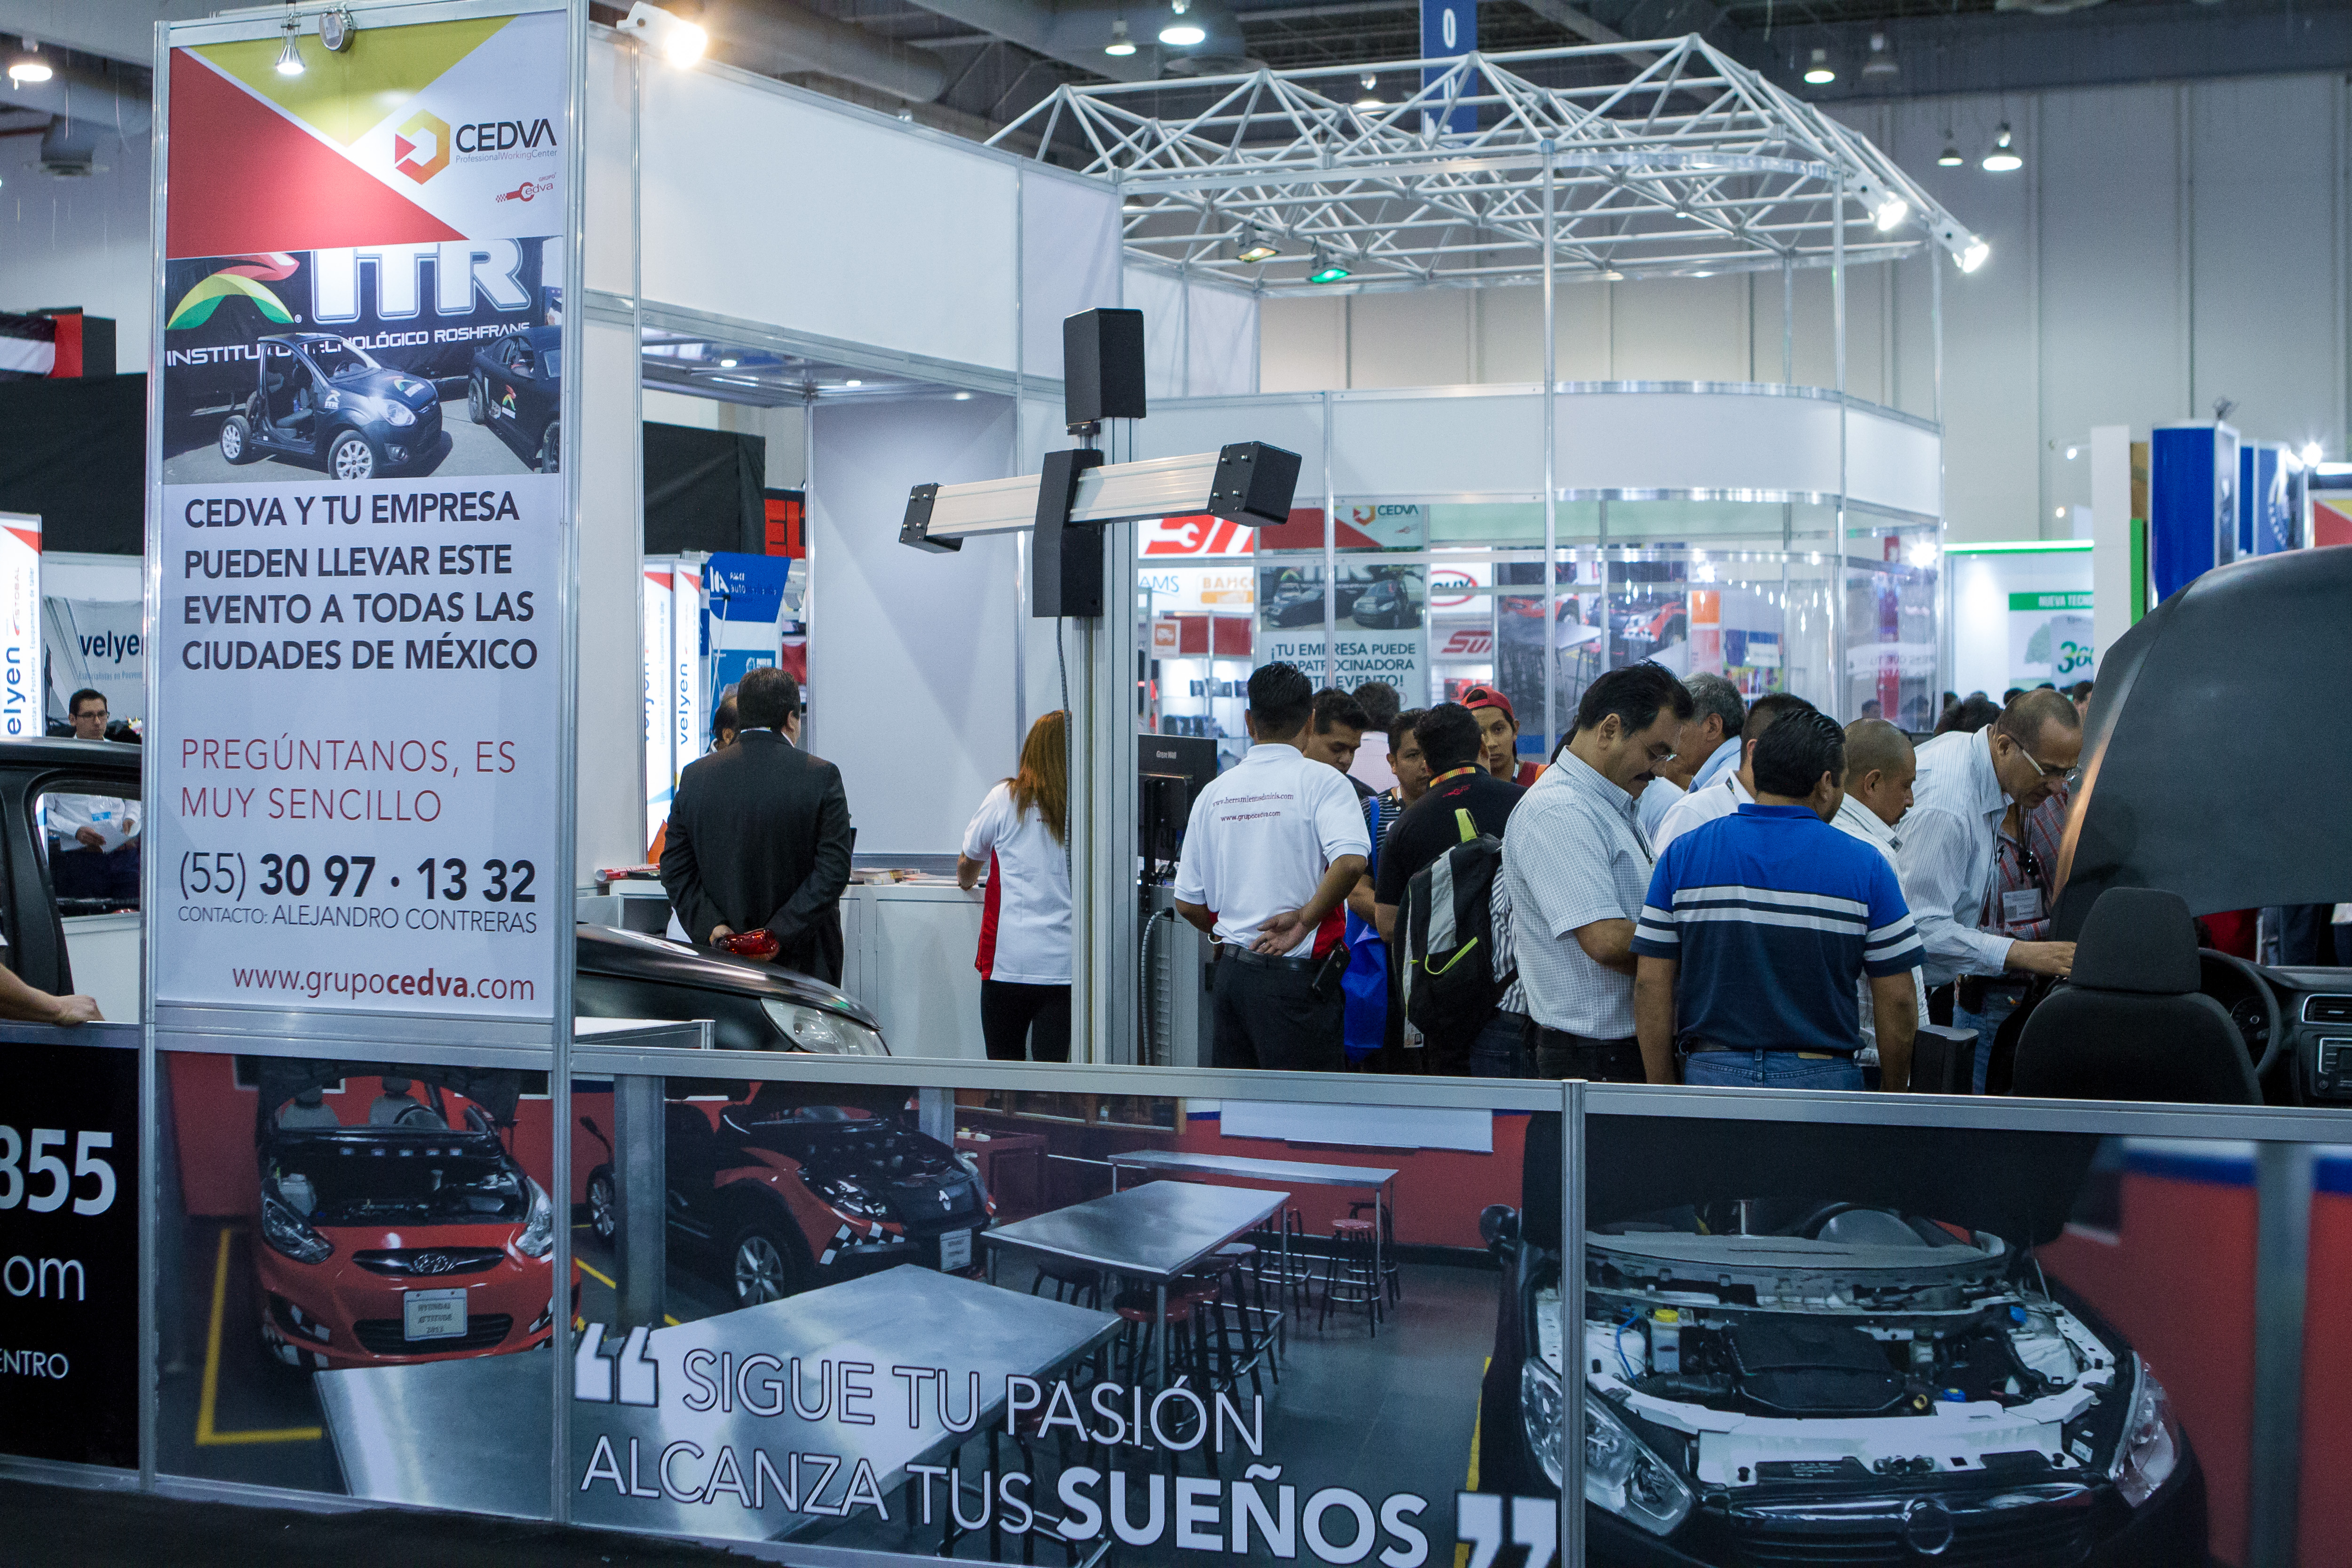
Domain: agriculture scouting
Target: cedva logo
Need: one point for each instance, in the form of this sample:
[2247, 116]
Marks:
[632, 1377]
[420, 148]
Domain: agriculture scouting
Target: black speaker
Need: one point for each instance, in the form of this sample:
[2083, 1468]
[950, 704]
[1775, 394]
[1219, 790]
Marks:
[1102, 366]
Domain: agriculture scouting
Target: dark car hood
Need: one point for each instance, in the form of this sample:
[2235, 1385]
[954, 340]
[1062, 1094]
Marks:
[2020, 1186]
[632, 955]
[2165, 799]
[389, 384]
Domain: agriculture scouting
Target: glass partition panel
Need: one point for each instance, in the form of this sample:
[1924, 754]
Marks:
[352, 1259]
[1891, 639]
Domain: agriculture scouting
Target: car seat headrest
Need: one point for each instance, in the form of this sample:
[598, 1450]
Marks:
[2140, 940]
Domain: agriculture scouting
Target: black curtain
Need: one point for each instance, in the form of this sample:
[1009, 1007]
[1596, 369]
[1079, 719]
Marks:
[702, 491]
[75, 452]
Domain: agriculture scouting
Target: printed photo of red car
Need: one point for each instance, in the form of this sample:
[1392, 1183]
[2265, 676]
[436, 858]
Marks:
[397, 1224]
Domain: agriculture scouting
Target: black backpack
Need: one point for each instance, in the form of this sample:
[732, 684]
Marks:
[1454, 974]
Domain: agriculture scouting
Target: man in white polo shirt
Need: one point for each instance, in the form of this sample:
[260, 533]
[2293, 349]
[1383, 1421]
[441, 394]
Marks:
[1273, 845]
[1735, 786]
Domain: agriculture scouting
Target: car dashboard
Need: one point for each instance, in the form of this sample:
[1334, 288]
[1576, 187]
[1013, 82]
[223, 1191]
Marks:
[2316, 1010]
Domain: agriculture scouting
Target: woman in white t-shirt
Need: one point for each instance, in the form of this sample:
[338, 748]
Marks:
[1017, 836]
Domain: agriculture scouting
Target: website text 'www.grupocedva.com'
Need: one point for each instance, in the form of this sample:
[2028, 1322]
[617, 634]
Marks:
[316, 984]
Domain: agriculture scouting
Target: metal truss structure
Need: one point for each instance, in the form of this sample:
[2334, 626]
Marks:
[1636, 159]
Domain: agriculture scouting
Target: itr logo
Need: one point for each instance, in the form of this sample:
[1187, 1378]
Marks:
[420, 149]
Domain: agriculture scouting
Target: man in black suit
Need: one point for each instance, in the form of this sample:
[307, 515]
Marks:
[760, 837]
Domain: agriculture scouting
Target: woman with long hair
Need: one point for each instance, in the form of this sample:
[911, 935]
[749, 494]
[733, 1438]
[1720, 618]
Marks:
[1019, 837]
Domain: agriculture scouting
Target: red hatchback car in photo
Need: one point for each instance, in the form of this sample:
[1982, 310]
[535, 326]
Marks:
[397, 1224]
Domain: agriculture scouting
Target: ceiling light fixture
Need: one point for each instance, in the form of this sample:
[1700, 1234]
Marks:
[1120, 44]
[2003, 158]
[30, 66]
[2312, 452]
[1951, 156]
[1974, 256]
[289, 58]
[1255, 247]
[1371, 99]
[1178, 32]
[852, 383]
[727, 365]
[1891, 213]
[1882, 60]
[1326, 270]
[963, 398]
[1923, 554]
[336, 27]
[680, 42]
[1820, 74]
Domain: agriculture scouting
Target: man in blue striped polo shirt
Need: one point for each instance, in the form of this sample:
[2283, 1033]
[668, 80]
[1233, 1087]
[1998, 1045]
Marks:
[1758, 926]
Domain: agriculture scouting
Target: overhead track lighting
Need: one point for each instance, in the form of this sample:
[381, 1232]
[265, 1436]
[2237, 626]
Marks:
[1256, 248]
[1820, 74]
[28, 65]
[2312, 452]
[1180, 32]
[1120, 45]
[289, 58]
[1890, 212]
[1974, 256]
[680, 42]
[2003, 158]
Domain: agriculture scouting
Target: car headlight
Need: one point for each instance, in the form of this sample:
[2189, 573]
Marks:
[395, 413]
[288, 1233]
[828, 1034]
[1621, 1473]
[2150, 1448]
[538, 1238]
[851, 1199]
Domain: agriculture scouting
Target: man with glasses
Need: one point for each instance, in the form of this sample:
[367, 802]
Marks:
[1952, 853]
[1576, 867]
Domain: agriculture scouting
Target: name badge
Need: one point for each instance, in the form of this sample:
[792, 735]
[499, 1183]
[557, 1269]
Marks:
[2020, 905]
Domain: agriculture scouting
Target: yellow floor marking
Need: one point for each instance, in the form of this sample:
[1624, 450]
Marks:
[604, 1279]
[206, 1437]
[1478, 1420]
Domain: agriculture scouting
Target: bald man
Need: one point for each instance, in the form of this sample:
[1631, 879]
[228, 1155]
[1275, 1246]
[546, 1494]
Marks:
[1950, 850]
[1880, 768]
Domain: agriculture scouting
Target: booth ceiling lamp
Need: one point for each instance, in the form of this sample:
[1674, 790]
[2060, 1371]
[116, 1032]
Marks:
[1181, 31]
[1881, 63]
[1120, 45]
[1889, 213]
[1670, 158]
[1951, 157]
[1371, 99]
[1974, 256]
[680, 42]
[2312, 452]
[289, 58]
[2003, 158]
[1820, 73]
[1328, 270]
[27, 66]
[1256, 248]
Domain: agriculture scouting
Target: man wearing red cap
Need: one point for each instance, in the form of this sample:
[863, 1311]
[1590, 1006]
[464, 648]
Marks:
[1501, 725]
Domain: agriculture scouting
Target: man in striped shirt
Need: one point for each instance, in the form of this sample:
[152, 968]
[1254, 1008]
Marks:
[1758, 926]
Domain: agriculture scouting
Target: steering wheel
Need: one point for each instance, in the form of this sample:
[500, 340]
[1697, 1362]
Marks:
[2256, 1014]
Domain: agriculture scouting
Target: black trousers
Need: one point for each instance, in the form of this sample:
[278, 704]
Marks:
[1264, 1019]
[1024, 1023]
[1560, 1054]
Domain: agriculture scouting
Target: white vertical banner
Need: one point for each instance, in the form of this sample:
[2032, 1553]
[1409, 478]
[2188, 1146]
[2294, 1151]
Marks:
[661, 724]
[690, 725]
[360, 526]
[20, 638]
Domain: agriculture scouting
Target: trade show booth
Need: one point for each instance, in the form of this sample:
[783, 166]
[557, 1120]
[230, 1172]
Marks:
[419, 1089]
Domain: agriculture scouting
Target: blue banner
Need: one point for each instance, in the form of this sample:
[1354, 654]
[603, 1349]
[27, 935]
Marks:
[1449, 27]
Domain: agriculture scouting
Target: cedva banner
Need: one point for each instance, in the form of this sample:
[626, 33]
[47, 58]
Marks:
[359, 531]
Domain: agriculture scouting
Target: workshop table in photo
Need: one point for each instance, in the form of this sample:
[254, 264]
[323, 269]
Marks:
[1183, 1165]
[1154, 1233]
[474, 1433]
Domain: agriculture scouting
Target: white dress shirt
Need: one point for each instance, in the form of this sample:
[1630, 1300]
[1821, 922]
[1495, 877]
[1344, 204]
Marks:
[1657, 798]
[1698, 807]
[1859, 821]
[1724, 759]
[66, 814]
[1575, 855]
[1262, 835]
[1948, 857]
